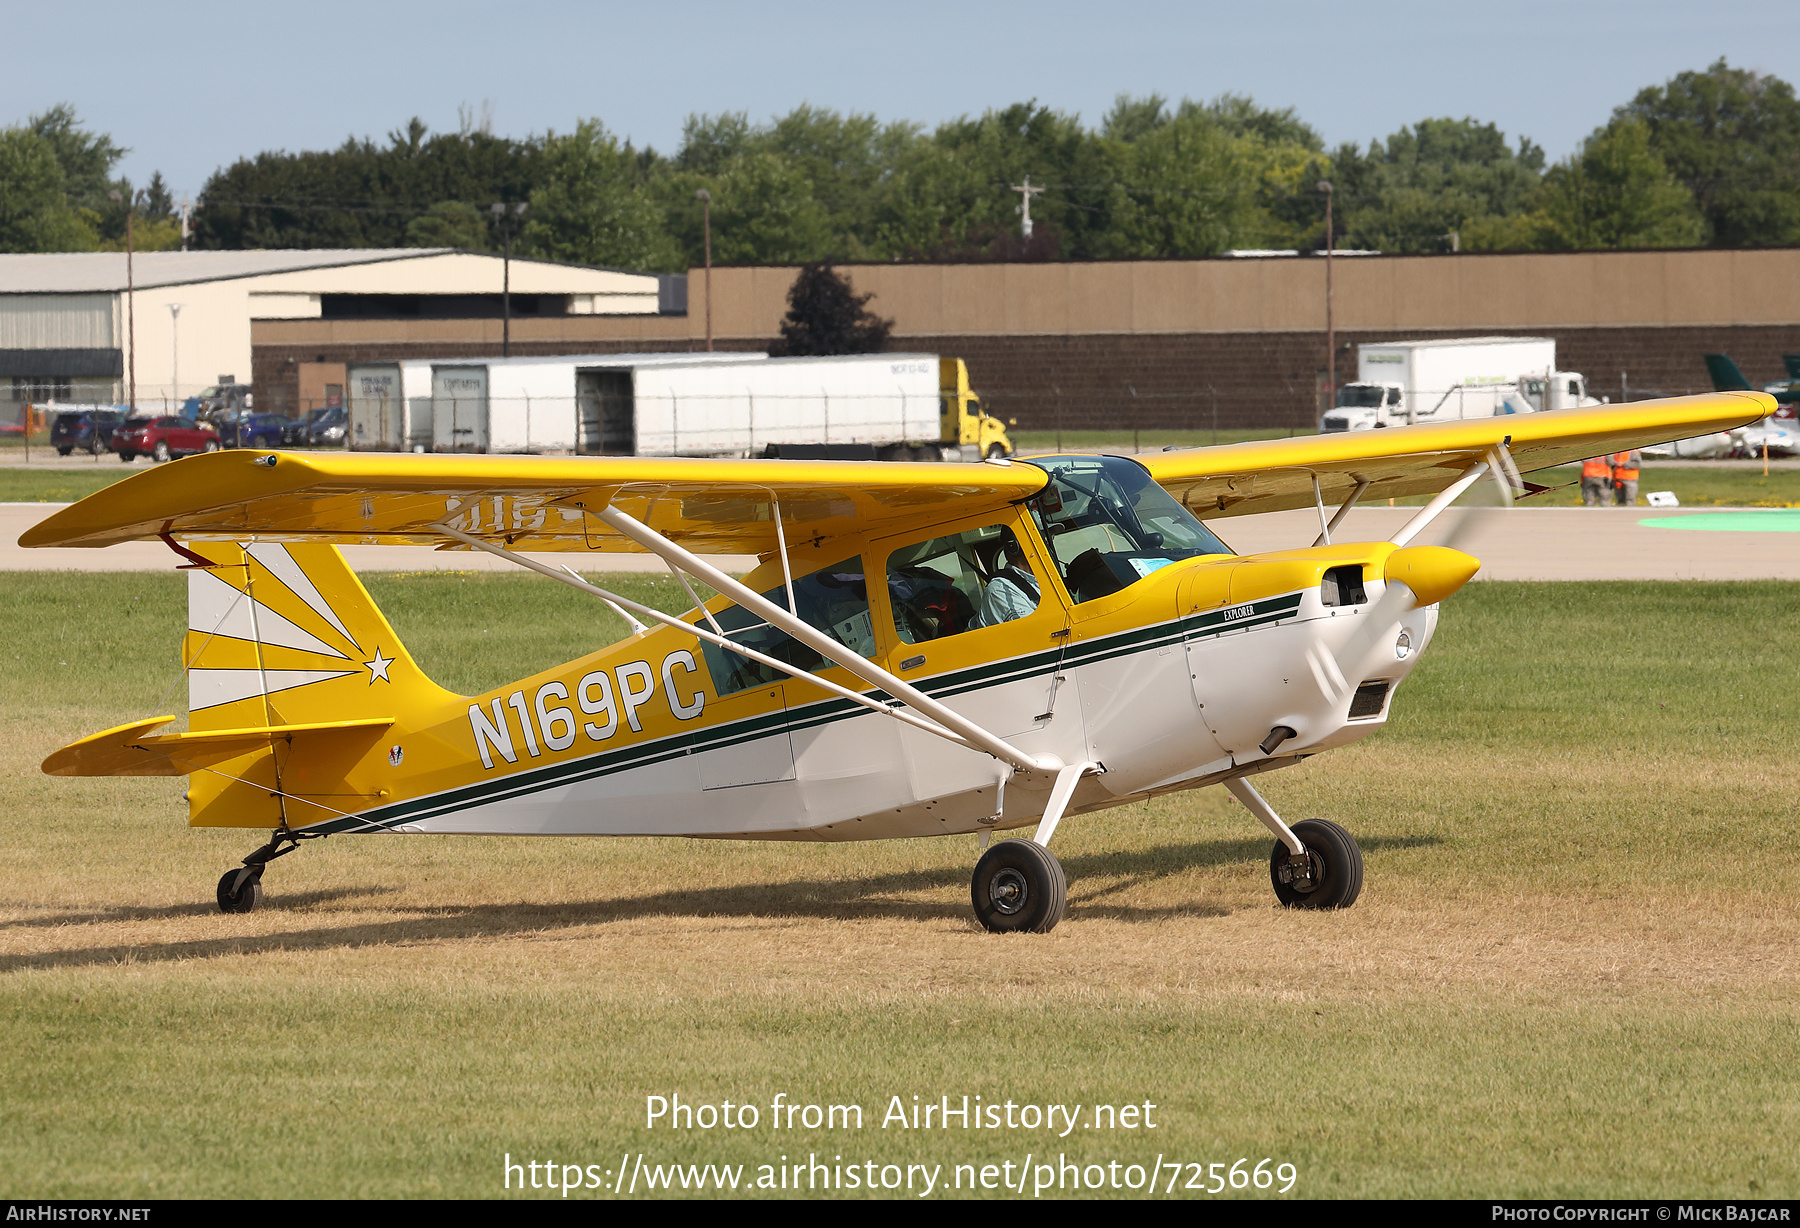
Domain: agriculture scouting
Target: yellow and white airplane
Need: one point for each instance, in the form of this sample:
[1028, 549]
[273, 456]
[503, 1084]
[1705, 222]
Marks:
[924, 649]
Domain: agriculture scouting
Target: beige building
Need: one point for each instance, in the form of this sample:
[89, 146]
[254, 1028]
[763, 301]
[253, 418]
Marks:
[68, 321]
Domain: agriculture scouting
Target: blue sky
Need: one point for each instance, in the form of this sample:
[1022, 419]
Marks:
[193, 86]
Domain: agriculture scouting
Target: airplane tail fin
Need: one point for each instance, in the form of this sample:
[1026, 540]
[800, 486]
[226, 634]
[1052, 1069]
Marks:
[295, 680]
[285, 648]
[1725, 374]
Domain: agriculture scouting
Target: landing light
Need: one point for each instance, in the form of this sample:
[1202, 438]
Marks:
[1403, 646]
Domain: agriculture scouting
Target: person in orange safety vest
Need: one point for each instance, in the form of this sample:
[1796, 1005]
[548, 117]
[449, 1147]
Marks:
[1596, 481]
[1625, 476]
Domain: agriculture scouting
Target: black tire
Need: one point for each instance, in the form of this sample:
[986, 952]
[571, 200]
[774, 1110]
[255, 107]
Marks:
[1337, 867]
[64, 451]
[995, 451]
[243, 899]
[161, 451]
[212, 445]
[1019, 887]
[128, 457]
[97, 446]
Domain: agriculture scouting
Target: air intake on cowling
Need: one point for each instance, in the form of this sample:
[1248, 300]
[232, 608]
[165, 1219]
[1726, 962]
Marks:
[1370, 697]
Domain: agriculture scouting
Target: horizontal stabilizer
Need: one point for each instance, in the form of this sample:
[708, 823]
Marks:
[133, 750]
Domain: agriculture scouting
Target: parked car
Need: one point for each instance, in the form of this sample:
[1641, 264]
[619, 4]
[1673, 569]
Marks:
[87, 429]
[328, 430]
[298, 432]
[241, 428]
[162, 437]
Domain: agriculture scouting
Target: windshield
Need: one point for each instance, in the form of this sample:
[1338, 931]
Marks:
[1360, 396]
[1109, 524]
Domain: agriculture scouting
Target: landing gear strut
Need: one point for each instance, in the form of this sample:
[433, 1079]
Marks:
[241, 890]
[1315, 863]
[1019, 885]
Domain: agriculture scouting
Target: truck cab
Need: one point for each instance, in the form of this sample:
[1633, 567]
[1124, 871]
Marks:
[1567, 391]
[1361, 406]
[965, 424]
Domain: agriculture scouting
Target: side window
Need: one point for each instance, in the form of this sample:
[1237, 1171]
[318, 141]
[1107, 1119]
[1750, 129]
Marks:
[949, 585]
[834, 599]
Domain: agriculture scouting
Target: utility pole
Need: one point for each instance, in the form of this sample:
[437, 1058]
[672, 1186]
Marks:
[705, 199]
[186, 209]
[130, 304]
[1330, 321]
[506, 215]
[1026, 192]
[175, 353]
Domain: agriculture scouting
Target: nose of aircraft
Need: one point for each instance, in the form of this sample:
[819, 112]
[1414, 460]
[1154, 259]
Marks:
[1431, 572]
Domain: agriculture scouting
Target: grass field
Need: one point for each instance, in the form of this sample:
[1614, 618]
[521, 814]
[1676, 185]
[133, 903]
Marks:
[1571, 972]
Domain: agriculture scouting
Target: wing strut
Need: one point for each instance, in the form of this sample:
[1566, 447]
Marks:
[921, 703]
[1443, 499]
[614, 599]
[1324, 537]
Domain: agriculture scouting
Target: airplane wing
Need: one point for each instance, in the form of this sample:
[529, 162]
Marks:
[1277, 474]
[543, 503]
[531, 503]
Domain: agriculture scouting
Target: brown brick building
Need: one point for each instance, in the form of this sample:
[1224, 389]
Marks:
[1172, 343]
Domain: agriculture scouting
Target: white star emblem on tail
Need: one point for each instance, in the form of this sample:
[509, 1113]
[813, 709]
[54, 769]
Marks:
[378, 668]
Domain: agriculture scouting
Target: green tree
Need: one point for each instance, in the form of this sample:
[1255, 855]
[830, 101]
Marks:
[592, 207]
[1616, 193]
[35, 214]
[87, 158]
[1185, 187]
[765, 210]
[1426, 182]
[450, 223]
[362, 194]
[1732, 136]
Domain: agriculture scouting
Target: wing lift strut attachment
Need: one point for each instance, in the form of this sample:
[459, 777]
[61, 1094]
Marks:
[1499, 462]
[914, 707]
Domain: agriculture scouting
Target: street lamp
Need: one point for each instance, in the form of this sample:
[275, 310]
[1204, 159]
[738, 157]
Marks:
[175, 352]
[506, 215]
[705, 199]
[130, 303]
[1330, 323]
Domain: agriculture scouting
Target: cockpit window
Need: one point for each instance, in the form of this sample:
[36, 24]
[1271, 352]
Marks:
[1109, 524]
[834, 599]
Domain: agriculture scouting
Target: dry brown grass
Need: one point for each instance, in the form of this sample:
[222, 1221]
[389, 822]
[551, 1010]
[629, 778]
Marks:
[1572, 970]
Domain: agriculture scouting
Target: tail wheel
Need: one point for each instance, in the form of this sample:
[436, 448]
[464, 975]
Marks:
[1329, 875]
[240, 896]
[1019, 887]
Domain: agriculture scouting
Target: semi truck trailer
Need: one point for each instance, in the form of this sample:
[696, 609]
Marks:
[867, 406]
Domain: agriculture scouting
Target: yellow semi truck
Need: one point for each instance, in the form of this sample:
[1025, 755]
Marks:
[966, 422]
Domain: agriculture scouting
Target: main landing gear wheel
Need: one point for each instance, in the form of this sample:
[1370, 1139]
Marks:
[1019, 887]
[1328, 876]
[240, 891]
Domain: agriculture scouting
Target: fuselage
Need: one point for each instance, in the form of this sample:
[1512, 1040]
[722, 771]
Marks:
[1173, 682]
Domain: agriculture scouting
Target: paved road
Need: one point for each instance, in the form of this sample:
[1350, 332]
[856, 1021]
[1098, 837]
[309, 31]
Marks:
[1520, 544]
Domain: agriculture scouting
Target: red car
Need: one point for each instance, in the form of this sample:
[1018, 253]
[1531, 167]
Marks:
[162, 437]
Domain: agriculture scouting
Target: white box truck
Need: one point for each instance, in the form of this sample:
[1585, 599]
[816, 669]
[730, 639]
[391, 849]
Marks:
[875, 406]
[1403, 382]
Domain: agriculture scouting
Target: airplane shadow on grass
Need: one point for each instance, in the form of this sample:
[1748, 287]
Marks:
[881, 896]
